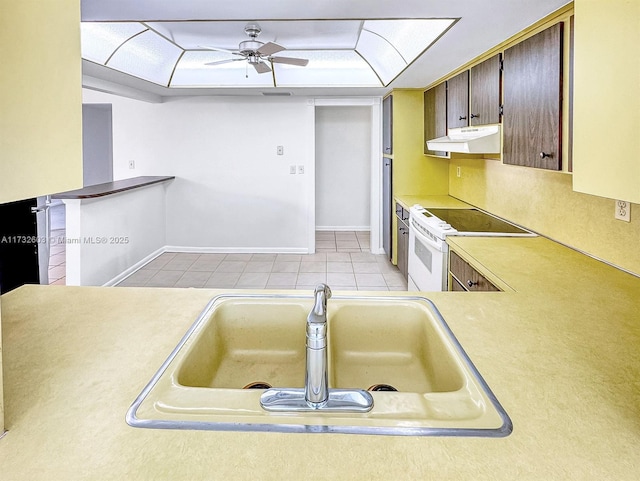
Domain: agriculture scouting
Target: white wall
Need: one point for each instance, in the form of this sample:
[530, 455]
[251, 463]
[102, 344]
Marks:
[343, 168]
[232, 192]
[109, 237]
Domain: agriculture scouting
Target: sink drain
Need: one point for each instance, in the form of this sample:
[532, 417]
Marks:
[257, 385]
[382, 387]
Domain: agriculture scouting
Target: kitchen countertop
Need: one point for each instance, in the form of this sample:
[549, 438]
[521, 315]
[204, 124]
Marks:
[561, 354]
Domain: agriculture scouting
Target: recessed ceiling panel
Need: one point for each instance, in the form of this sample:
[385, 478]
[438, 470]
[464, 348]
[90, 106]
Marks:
[100, 40]
[148, 56]
[337, 68]
[381, 55]
[411, 36]
[303, 34]
[340, 52]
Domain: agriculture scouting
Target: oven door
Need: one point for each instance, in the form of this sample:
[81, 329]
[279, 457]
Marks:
[427, 262]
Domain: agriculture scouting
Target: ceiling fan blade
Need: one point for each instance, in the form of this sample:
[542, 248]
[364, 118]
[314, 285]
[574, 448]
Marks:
[261, 67]
[270, 48]
[301, 62]
[218, 49]
[220, 62]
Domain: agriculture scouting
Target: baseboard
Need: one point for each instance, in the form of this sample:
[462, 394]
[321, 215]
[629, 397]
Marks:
[359, 228]
[126, 273]
[238, 250]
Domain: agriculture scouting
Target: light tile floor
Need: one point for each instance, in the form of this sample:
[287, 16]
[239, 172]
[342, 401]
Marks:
[57, 249]
[343, 260]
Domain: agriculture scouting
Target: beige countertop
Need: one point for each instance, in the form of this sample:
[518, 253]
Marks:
[561, 354]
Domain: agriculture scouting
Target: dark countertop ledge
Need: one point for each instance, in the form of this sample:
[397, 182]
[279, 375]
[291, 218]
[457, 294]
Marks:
[108, 188]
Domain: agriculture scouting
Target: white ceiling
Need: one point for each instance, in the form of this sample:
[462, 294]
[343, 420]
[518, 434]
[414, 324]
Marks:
[483, 24]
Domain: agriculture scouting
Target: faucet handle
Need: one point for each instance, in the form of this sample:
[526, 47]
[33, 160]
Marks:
[322, 288]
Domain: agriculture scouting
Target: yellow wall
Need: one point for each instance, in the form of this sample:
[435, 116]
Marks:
[545, 202]
[607, 98]
[413, 173]
[40, 103]
[40, 98]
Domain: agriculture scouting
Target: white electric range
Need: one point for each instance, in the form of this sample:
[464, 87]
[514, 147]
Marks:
[428, 249]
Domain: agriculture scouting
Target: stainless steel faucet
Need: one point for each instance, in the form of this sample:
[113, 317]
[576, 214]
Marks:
[316, 395]
[316, 391]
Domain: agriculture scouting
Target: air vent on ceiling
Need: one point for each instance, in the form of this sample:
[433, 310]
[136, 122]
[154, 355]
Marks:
[277, 94]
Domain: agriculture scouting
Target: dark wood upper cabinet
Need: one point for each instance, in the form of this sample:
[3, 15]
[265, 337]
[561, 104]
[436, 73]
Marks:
[435, 115]
[458, 100]
[571, 53]
[387, 125]
[484, 92]
[532, 117]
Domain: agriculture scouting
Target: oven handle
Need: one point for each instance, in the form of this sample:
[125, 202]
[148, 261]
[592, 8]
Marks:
[424, 239]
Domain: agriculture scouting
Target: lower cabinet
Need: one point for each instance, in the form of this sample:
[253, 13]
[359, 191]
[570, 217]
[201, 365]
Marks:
[465, 278]
[402, 216]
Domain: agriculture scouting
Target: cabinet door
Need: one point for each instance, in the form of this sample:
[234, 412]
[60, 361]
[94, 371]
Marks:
[465, 276]
[435, 115]
[387, 125]
[458, 100]
[532, 83]
[484, 92]
[403, 248]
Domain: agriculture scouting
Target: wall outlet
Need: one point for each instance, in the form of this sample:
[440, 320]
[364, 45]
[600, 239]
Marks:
[458, 171]
[623, 210]
[132, 164]
[280, 150]
[301, 169]
[292, 169]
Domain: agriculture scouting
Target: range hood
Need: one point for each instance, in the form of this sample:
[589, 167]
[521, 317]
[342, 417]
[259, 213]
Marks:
[469, 140]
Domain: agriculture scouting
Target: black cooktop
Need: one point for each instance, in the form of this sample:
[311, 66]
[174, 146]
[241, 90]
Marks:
[473, 220]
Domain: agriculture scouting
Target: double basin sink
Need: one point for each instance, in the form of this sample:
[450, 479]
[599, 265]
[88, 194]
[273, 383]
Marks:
[399, 348]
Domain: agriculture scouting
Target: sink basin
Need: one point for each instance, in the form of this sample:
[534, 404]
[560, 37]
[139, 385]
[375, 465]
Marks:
[242, 344]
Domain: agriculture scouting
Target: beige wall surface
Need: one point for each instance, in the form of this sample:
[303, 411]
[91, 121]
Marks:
[40, 98]
[545, 202]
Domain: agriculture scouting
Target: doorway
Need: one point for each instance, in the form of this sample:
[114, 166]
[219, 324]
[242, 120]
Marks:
[97, 144]
[343, 168]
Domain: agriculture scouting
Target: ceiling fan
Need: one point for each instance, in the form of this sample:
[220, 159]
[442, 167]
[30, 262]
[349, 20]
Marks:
[257, 53]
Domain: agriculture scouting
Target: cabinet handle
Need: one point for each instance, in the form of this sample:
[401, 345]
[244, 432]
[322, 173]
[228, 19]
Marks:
[462, 118]
[475, 116]
[544, 154]
[471, 284]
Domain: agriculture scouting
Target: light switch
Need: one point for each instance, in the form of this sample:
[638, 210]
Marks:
[301, 169]
[292, 169]
[280, 150]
